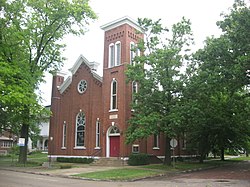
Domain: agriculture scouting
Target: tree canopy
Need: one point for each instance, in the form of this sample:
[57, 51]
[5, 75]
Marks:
[209, 102]
[216, 98]
[158, 74]
[30, 44]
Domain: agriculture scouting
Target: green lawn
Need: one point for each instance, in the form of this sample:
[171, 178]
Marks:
[179, 166]
[34, 159]
[143, 171]
[153, 169]
[241, 158]
[120, 174]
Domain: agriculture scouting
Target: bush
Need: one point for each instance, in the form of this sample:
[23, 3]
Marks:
[75, 160]
[65, 166]
[138, 159]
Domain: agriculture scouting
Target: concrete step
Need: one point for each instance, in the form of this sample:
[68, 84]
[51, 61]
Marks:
[112, 161]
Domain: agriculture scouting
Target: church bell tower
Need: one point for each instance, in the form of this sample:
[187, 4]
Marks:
[119, 38]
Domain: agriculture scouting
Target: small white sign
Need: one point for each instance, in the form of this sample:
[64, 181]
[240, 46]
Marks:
[115, 116]
[21, 141]
[173, 142]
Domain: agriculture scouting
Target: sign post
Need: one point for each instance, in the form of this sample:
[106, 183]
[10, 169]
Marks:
[173, 143]
[51, 139]
[21, 142]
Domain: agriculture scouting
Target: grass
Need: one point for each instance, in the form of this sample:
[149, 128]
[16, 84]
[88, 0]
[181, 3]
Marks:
[127, 173]
[241, 158]
[119, 174]
[136, 172]
[34, 159]
[179, 166]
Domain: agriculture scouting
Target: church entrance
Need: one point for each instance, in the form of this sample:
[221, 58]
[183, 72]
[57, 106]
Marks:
[114, 146]
[113, 142]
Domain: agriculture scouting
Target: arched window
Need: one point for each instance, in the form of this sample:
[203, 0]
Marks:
[113, 103]
[134, 51]
[114, 54]
[114, 131]
[64, 140]
[118, 53]
[97, 144]
[111, 55]
[80, 130]
[134, 91]
[156, 141]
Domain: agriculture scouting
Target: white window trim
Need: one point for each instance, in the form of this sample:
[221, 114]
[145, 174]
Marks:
[113, 110]
[157, 142]
[136, 91]
[98, 141]
[135, 145]
[111, 96]
[64, 134]
[156, 148]
[109, 60]
[116, 53]
[79, 147]
[132, 53]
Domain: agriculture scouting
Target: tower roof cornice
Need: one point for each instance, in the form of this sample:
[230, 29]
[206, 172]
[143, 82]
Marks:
[121, 21]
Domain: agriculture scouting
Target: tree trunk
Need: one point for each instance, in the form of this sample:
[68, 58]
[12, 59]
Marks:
[247, 153]
[222, 154]
[167, 160]
[23, 149]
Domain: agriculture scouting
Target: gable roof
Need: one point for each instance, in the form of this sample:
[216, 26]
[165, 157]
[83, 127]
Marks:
[81, 59]
[121, 21]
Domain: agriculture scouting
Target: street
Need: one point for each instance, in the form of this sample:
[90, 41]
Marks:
[233, 175]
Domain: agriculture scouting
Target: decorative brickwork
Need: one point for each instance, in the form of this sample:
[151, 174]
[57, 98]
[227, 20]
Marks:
[94, 103]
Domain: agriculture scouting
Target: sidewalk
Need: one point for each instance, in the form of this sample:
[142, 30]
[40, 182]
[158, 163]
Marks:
[60, 172]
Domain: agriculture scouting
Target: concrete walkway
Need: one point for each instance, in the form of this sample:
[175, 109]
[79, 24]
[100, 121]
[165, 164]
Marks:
[60, 172]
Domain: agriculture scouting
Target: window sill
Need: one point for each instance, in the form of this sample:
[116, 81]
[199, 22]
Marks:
[114, 66]
[113, 110]
[63, 147]
[156, 148]
[135, 152]
[79, 147]
[97, 148]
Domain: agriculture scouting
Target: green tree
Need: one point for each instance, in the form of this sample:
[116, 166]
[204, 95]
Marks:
[158, 74]
[30, 44]
[217, 91]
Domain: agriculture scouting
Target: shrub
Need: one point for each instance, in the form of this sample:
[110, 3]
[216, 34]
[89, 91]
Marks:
[65, 166]
[75, 160]
[138, 159]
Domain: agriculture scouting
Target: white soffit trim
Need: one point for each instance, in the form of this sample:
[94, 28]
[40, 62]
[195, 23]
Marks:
[65, 84]
[77, 64]
[5, 138]
[121, 21]
[81, 59]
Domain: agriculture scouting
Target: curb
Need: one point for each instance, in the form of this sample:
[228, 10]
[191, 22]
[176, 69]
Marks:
[90, 179]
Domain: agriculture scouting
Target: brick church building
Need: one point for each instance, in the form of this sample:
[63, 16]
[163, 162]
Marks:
[89, 112]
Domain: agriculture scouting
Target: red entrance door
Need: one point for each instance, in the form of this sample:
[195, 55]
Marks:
[114, 146]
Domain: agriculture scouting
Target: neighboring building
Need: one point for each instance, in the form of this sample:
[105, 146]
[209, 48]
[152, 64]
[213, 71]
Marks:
[42, 143]
[6, 142]
[90, 113]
